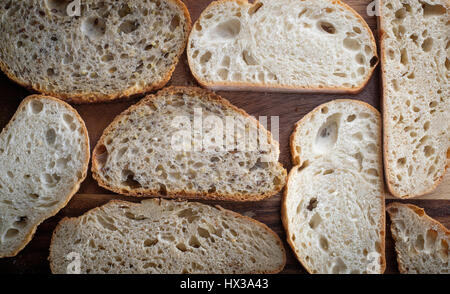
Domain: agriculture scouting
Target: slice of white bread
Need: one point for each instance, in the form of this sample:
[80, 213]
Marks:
[44, 156]
[422, 243]
[113, 49]
[282, 45]
[416, 70]
[170, 145]
[333, 207]
[164, 237]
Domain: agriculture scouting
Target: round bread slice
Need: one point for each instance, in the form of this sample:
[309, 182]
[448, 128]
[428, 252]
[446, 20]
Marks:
[44, 156]
[421, 243]
[333, 207]
[190, 143]
[98, 51]
[282, 45]
[164, 237]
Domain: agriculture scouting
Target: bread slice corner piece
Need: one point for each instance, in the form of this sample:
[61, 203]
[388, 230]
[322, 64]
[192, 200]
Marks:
[44, 156]
[164, 237]
[421, 243]
[191, 143]
[283, 45]
[114, 49]
[415, 71]
[333, 205]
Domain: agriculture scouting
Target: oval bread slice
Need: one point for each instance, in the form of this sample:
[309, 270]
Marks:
[415, 42]
[102, 51]
[44, 155]
[333, 207]
[282, 45]
[162, 236]
[190, 143]
[421, 243]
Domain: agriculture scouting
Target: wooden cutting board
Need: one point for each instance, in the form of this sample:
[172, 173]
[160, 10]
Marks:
[289, 107]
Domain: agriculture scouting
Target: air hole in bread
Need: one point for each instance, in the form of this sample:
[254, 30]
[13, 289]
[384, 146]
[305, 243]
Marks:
[50, 180]
[312, 204]
[426, 126]
[182, 247]
[223, 74]
[150, 242]
[401, 13]
[36, 107]
[428, 151]
[11, 233]
[93, 27]
[432, 10]
[124, 10]
[21, 222]
[194, 242]
[130, 180]
[205, 58]
[204, 233]
[101, 156]
[50, 136]
[327, 27]
[58, 7]
[227, 30]
[33, 196]
[419, 243]
[351, 44]
[128, 26]
[255, 8]
[248, 58]
[315, 221]
[323, 243]
[427, 44]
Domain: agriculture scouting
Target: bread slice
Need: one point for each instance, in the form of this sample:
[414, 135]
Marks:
[333, 207]
[416, 70]
[44, 155]
[180, 143]
[164, 237]
[420, 241]
[112, 49]
[282, 45]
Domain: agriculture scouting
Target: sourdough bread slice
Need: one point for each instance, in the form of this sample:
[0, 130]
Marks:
[333, 207]
[282, 45]
[190, 143]
[421, 242]
[416, 69]
[111, 49]
[164, 236]
[44, 155]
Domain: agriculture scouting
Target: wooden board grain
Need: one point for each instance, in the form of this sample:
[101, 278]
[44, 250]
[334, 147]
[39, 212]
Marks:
[288, 107]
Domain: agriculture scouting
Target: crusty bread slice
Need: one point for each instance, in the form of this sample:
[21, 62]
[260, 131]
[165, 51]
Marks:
[164, 236]
[416, 70]
[282, 45]
[333, 207]
[170, 145]
[113, 49]
[422, 243]
[44, 155]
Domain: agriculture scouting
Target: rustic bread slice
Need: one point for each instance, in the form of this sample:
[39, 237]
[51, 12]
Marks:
[421, 242]
[178, 143]
[162, 236]
[282, 45]
[113, 49]
[333, 207]
[416, 70]
[44, 155]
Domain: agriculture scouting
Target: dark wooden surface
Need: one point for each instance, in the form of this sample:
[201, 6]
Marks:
[289, 107]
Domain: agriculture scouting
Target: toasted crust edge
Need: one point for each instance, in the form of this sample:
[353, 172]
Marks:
[85, 98]
[76, 187]
[419, 211]
[226, 211]
[261, 87]
[208, 96]
[386, 136]
[296, 162]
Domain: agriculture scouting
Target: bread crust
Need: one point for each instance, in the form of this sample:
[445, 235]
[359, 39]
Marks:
[421, 213]
[208, 96]
[84, 98]
[262, 87]
[76, 186]
[296, 162]
[227, 211]
[386, 136]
